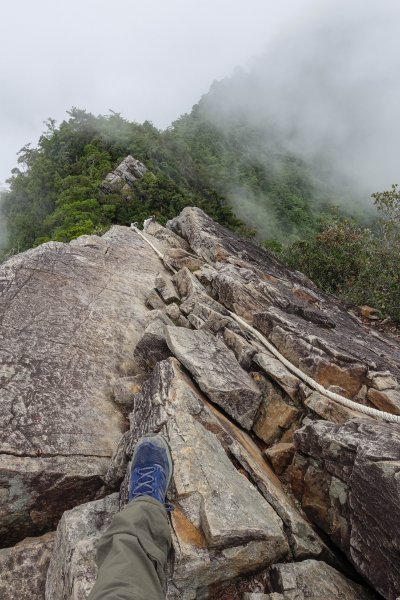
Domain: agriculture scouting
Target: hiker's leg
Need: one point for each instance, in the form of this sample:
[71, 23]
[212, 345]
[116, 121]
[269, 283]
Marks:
[132, 553]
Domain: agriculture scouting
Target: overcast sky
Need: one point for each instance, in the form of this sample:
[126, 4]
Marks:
[148, 59]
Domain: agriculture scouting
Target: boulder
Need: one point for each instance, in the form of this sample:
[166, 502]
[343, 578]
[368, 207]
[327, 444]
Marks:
[169, 240]
[179, 258]
[276, 412]
[152, 346]
[187, 283]
[154, 301]
[174, 313]
[280, 456]
[36, 491]
[346, 477]
[166, 289]
[72, 570]
[23, 568]
[387, 400]
[125, 390]
[278, 372]
[313, 580]
[217, 372]
[330, 410]
[303, 540]
[243, 351]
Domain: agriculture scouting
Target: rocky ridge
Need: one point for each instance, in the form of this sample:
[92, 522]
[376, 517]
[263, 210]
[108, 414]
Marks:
[278, 491]
[124, 176]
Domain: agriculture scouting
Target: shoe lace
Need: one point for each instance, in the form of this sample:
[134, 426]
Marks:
[144, 483]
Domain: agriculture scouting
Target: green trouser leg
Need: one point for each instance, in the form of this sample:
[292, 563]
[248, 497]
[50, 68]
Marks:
[132, 553]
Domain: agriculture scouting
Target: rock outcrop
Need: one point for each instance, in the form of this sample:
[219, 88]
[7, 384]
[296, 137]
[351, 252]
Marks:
[347, 478]
[217, 372]
[124, 176]
[274, 484]
[71, 316]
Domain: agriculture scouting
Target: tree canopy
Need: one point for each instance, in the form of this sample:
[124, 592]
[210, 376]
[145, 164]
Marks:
[55, 192]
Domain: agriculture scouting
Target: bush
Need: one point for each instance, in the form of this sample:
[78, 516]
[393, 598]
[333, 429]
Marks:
[356, 264]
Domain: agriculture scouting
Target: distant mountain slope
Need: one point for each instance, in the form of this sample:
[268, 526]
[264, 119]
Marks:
[56, 194]
[227, 166]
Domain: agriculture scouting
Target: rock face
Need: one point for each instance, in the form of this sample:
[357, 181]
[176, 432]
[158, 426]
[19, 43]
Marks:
[101, 344]
[221, 530]
[311, 329]
[347, 479]
[70, 318]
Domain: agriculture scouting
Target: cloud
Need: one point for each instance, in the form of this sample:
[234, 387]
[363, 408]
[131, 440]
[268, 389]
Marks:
[329, 89]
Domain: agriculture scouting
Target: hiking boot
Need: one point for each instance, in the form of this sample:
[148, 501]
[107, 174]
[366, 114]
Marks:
[151, 468]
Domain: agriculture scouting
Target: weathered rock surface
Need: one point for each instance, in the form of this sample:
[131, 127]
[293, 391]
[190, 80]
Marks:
[279, 373]
[166, 289]
[303, 540]
[347, 479]
[70, 318]
[311, 328]
[80, 349]
[72, 571]
[23, 568]
[329, 410]
[152, 346]
[223, 524]
[317, 334]
[219, 531]
[217, 372]
[313, 580]
[164, 235]
[36, 491]
[124, 176]
[154, 301]
[276, 413]
[125, 390]
[280, 456]
[243, 351]
[186, 283]
[179, 258]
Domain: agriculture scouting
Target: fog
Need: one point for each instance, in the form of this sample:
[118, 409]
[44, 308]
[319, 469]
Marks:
[329, 91]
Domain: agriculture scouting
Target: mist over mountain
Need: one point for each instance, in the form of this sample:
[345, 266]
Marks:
[328, 93]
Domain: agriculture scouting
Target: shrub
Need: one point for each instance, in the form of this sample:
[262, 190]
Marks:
[357, 264]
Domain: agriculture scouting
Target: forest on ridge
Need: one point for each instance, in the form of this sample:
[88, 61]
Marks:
[55, 194]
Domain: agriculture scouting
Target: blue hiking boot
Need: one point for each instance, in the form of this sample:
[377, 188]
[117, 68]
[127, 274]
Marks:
[151, 468]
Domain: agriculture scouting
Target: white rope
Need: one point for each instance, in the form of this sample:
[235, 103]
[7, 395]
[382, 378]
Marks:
[367, 410]
[136, 230]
